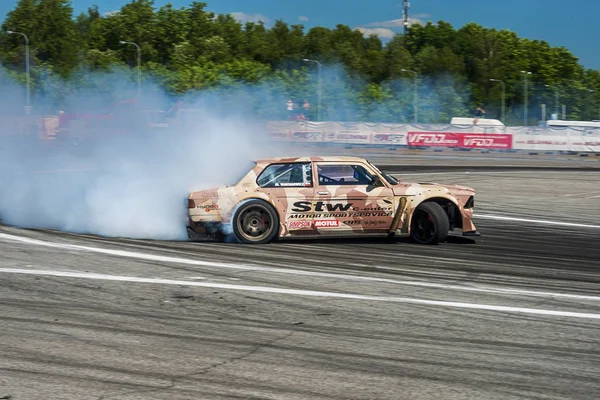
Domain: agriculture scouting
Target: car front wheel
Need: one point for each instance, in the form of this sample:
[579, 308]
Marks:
[429, 224]
[255, 222]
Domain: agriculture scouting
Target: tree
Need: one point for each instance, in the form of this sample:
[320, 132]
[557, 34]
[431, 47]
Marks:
[190, 48]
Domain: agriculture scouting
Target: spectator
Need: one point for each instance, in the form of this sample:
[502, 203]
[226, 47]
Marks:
[479, 113]
[290, 109]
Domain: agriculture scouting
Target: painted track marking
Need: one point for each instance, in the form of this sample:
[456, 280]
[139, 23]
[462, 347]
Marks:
[289, 271]
[306, 293]
[535, 221]
[461, 172]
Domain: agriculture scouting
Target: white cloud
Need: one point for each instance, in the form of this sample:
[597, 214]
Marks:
[303, 18]
[244, 17]
[381, 32]
[110, 13]
[399, 23]
[387, 29]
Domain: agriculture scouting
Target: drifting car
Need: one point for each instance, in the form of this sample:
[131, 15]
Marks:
[329, 196]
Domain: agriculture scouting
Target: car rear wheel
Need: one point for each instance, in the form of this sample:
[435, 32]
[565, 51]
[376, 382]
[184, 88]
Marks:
[255, 222]
[429, 224]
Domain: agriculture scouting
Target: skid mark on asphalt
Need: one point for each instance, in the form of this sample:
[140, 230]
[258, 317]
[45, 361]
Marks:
[306, 293]
[290, 271]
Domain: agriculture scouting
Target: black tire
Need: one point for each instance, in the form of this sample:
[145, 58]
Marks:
[429, 224]
[255, 222]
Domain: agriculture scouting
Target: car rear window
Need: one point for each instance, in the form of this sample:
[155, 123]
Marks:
[286, 175]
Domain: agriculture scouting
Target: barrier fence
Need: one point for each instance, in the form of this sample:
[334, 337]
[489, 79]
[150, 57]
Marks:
[562, 139]
[567, 139]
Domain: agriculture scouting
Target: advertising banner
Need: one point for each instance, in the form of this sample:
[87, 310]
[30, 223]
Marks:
[437, 139]
[460, 140]
[349, 136]
[391, 138]
[306, 136]
[482, 141]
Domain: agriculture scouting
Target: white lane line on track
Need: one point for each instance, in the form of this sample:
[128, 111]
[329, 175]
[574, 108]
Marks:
[309, 293]
[580, 194]
[535, 221]
[461, 172]
[289, 271]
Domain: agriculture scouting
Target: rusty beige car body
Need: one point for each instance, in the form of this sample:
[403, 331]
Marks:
[369, 202]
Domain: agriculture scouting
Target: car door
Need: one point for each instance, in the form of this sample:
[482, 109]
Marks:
[351, 198]
[290, 185]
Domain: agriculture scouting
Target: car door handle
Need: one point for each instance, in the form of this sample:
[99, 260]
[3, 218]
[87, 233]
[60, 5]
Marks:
[323, 193]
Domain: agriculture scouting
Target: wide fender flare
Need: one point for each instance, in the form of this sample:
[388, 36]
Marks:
[412, 206]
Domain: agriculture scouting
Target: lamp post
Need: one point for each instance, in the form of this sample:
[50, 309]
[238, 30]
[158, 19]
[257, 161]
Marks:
[319, 90]
[525, 73]
[503, 99]
[593, 91]
[27, 71]
[415, 95]
[556, 98]
[139, 67]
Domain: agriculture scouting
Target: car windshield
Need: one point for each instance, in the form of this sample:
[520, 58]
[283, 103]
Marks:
[391, 180]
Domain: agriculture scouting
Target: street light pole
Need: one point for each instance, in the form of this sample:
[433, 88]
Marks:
[525, 94]
[556, 99]
[593, 91]
[415, 95]
[139, 67]
[319, 85]
[27, 71]
[503, 99]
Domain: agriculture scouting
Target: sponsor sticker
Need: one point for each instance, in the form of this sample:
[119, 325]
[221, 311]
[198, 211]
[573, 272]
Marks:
[292, 184]
[299, 224]
[209, 208]
[323, 223]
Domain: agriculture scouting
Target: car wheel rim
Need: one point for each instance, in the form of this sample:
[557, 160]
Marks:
[423, 226]
[255, 223]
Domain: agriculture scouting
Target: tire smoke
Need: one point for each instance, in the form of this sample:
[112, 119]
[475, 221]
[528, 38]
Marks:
[123, 183]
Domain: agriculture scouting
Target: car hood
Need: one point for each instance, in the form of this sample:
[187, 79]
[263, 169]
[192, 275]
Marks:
[408, 188]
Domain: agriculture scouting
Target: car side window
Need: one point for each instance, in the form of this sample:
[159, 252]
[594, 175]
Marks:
[286, 175]
[343, 175]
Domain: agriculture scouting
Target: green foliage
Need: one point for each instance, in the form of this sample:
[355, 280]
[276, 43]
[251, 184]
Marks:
[190, 49]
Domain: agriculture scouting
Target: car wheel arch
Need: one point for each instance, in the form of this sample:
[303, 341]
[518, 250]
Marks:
[449, 204]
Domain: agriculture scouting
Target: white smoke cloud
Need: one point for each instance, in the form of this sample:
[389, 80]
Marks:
[134, 185]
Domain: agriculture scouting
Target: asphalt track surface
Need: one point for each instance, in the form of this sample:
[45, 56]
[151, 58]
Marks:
[514, 314]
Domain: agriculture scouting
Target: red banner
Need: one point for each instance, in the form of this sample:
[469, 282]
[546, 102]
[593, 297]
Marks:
[481, 141]
[460, 140]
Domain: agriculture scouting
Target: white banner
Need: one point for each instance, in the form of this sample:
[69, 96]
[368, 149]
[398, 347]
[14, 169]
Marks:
[574, 139]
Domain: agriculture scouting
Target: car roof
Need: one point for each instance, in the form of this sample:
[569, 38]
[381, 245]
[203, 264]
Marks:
[308, 159]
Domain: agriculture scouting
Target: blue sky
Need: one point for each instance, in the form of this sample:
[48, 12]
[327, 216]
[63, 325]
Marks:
[573, 24]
